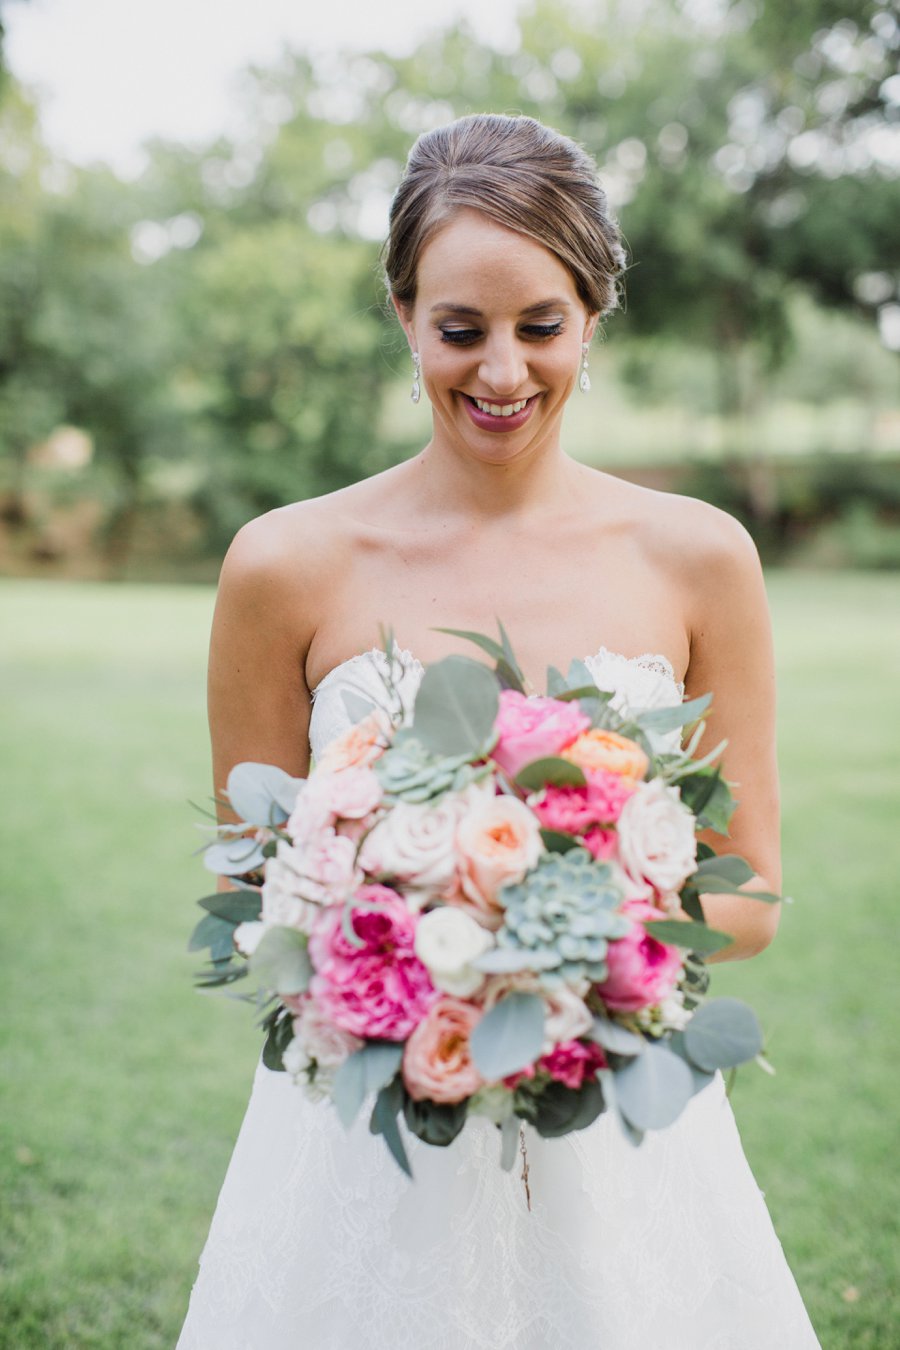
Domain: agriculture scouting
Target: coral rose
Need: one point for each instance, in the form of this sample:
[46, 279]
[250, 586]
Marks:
[498, 840]
[437, 1064]
[598, 749]
[642, 970]
[533, 728]
[359, 745]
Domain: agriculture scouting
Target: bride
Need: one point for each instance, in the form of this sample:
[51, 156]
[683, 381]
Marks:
[502, 259]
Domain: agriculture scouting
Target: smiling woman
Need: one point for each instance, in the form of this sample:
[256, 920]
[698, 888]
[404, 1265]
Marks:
[501, 262]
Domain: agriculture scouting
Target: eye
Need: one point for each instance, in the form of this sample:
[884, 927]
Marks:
[460, 337]
[543, 330]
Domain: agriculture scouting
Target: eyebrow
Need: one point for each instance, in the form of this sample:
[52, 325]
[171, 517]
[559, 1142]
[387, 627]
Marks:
[540, 307]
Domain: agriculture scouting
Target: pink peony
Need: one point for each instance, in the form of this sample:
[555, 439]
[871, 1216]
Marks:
[572, 810]
[380, 989]
[534, 728]
[601, 844]
[642, 970]
[437, 1065]
[572, 1062]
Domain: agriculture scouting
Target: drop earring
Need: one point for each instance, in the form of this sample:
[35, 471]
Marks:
[416, 392]
[584, 383]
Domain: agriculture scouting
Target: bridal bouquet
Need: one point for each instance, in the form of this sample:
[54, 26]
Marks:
[487, 907]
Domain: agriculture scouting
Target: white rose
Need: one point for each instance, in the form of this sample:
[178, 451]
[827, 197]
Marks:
[321, 1040]
[566, 1017]
[415, 842]
[247, 936]
[447, 941]
[657, 842]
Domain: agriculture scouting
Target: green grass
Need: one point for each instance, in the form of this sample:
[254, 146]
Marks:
[124, 1089]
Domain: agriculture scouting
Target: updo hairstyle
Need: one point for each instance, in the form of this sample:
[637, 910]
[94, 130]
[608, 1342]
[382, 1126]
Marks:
[522, 175]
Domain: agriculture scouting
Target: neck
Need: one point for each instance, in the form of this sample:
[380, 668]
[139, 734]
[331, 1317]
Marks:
[449, 480]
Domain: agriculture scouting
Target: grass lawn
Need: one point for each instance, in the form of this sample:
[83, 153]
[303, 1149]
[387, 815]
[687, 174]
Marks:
[124, 1089]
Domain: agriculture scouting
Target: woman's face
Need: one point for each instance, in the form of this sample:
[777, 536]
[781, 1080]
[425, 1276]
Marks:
[498, 326]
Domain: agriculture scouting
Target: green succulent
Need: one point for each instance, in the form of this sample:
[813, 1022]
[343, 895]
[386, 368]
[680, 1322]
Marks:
[559, 918]
[412, 773]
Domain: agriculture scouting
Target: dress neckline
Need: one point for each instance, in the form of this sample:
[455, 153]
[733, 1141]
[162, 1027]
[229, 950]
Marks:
[655, 662]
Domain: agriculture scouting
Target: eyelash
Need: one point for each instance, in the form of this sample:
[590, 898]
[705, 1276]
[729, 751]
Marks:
[464, 337]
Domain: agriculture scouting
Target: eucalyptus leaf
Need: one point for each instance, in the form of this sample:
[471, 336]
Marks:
[556, 682]
[509, 1142]
[722, 1034]
[216, 934]
[671, 718]
[695, 937]
[388, 1104]
[508, 1037]
[509, 960]
[510, 657]
[607, 1081]
[726, 865]
[560, 1109]
[262, 794]
[653, 1089]
[366, 1071]
[235, 906]
[702, 1077]
[357, 706]
[281, 961]
[490, 646]
[589, 692]
[710, 799]
[552, 771]
[233, 857]
[618, 1040]
[579, 677]
[456, 706]
[279, 1034]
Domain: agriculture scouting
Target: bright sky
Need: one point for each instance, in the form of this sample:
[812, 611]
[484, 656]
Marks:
[111, 73]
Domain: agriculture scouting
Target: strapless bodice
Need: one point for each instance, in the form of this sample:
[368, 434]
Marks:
[646, 681]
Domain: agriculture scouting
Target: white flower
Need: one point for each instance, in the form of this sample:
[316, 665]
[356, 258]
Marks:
[247, 936]
[669, 1014]
[320, 1039]
[300, 880]
[416, 842]
[566, 1017]
[295, 1059]
[657, 842]
[447, 941]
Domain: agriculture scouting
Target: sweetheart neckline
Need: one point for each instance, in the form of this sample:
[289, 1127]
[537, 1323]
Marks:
[655, 662]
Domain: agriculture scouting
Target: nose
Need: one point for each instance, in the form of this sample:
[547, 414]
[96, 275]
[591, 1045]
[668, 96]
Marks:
[503, 367]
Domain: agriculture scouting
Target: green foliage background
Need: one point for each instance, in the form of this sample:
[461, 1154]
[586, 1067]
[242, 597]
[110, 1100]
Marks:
[218, 325]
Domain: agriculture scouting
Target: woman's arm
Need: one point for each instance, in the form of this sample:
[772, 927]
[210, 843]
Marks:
[731, 657]
[262, 627]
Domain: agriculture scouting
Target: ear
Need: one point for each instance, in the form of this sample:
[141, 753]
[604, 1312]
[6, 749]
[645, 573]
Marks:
[404, 314]
[590, 326]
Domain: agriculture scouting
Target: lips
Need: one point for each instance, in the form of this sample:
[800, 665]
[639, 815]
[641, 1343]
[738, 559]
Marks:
[499, 417]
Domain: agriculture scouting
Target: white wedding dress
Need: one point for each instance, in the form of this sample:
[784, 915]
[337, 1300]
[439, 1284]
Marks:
[319, 1242]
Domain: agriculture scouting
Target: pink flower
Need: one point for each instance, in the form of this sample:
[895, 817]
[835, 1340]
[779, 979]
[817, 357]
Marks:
[657, 842]
[352, 793]
[534, 728]
[437, 1064]
[601, 844]
[572, 1062]
[498, 840]
[380, 989]
[574, 809]
[360, 744]
[416, 842]
[641, 969]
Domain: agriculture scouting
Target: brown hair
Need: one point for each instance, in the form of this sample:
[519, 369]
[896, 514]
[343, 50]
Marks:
[522, 175]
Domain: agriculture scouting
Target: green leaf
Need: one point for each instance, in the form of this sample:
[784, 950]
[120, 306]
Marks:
[556, 682]
[281, 961]
[618, 1040]
[262, 794]
[690, 903]
[710, 799]
[553, 771]
[557, 842]
[508, 1037]
[701, 1077]
[510, 660]
[671, 718]
[235, 906]
[722, 1034]
[437, 1123]
[388, 1104]
[726, 865]
[695, 937]
[509, 1142]
[456, 706]
[585, 691]
[369, 1070]
[579, 676]
[216, 934]
[560, 1109]
[653, 1089]
[279, 1034]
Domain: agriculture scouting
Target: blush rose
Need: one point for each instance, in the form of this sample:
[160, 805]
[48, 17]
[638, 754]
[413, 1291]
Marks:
[533, 728]
[437, 1063]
